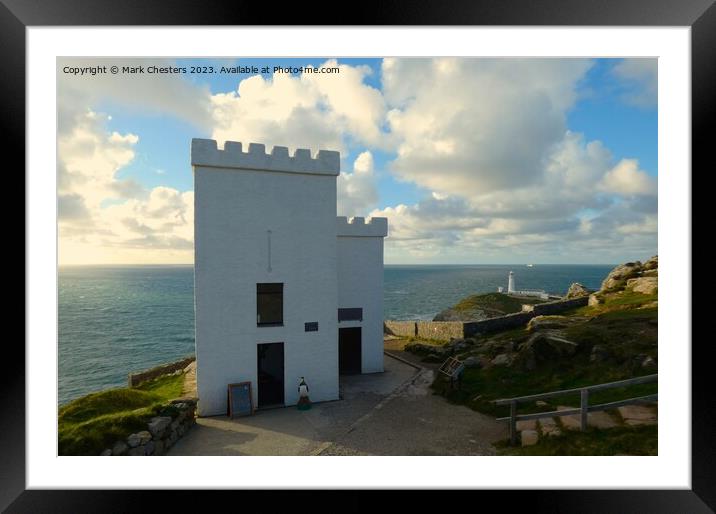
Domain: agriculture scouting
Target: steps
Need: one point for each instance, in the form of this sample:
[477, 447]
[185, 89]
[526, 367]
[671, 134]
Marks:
[530, 431]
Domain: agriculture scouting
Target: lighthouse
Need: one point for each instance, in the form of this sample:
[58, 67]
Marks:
[511, 283]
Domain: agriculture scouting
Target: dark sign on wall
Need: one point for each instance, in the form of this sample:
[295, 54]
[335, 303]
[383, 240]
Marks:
[350, 314]
[311, 327]
[240, 400]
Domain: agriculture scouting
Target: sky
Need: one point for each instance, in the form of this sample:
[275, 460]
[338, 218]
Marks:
[473, 161]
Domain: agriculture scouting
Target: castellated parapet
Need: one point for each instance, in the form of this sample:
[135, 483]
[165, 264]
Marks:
[204, 152]
[361, 227]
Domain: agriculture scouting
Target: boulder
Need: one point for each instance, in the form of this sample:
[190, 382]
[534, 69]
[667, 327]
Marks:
[643, 285]
[133, 440]
[158, 447]
[576, 290]
[637, 415]
[526, 360]
[149, 448]
[158, 424]
[472, 362]
[553, 322]
[619, 275]
[650, 273]
[529, 437]
[594, 300]
[547, 345]
[549, 427]
[648, 363]
[601, 419]
[144, 437]
[503, 359]
[136, 452]
[106, 453]
[651, 264]
[571, 422]
[120, 448]
[528, 424]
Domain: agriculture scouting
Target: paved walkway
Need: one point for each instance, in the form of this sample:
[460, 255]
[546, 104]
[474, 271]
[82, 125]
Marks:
[389, 413]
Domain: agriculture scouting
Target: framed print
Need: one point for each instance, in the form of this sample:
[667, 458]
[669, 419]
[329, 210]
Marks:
[428, 249]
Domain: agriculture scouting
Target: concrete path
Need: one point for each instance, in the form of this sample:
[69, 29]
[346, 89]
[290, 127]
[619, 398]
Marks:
[389, 413]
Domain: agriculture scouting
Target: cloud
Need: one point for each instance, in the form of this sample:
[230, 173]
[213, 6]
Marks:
[71, 207]
[102, 216]
[89, 158]
[466, 126]
[357, 191]
[316, 111]
[140, 93]
[627, 179]
[639, 81]
[581, 209]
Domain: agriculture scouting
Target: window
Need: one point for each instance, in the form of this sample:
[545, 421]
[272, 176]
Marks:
[269, 304]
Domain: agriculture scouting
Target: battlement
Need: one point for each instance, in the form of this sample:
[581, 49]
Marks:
[361, 227]
[204, 152]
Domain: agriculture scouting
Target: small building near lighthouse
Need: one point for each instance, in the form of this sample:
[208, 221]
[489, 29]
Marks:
[283, 287]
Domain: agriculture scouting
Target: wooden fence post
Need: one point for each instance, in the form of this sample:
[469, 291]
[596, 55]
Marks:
[513, 423]
[584, 405]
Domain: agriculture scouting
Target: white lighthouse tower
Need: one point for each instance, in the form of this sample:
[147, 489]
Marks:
[511, 283]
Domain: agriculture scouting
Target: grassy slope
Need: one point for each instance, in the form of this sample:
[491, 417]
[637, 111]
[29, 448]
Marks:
[489, 301]
[94, 422]
[621, 325]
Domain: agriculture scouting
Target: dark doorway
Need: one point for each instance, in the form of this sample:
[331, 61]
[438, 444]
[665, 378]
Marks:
[349, 351]
[270, 374]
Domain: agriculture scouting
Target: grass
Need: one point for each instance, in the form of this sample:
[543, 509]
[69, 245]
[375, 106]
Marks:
[625, 440]
[490, 301]
[89, 424]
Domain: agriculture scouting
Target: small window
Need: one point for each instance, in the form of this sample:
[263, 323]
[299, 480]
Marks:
[269, 304]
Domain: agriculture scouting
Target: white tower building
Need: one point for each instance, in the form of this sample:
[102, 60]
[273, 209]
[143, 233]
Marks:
[283, 288]
[511, 283]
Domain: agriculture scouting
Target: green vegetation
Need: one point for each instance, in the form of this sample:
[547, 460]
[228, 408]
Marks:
[480, 387]
[625, 440]
[624, 327]
[490, 301]
[94, 422]
[482, 306]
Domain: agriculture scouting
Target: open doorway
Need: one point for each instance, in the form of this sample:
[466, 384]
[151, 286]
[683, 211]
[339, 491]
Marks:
[270, 374]
[349, 351]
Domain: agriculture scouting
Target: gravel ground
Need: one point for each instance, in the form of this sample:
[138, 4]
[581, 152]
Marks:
[413, 421]
[389, 413]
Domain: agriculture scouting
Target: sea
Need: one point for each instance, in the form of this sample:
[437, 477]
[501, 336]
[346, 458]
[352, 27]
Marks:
[115, 320]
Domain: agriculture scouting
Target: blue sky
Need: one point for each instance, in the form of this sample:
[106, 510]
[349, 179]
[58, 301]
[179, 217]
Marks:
[471, 160]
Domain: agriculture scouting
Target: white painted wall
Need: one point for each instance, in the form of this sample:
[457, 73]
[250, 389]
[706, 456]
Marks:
[360, 283]
[238, 197]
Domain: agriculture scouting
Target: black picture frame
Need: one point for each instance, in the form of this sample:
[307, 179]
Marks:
[700, 15]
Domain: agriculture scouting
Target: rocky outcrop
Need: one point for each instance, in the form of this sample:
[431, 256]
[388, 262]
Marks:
[643, 285]
[616, 279]
[644, 276]
[651, 264]
[576, 290]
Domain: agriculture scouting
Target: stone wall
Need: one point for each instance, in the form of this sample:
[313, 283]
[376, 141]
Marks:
[507, 322]
[139, 377]
[446, 330]
[161, 433]
[400, 328]
[440, 330]
[543, 309]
